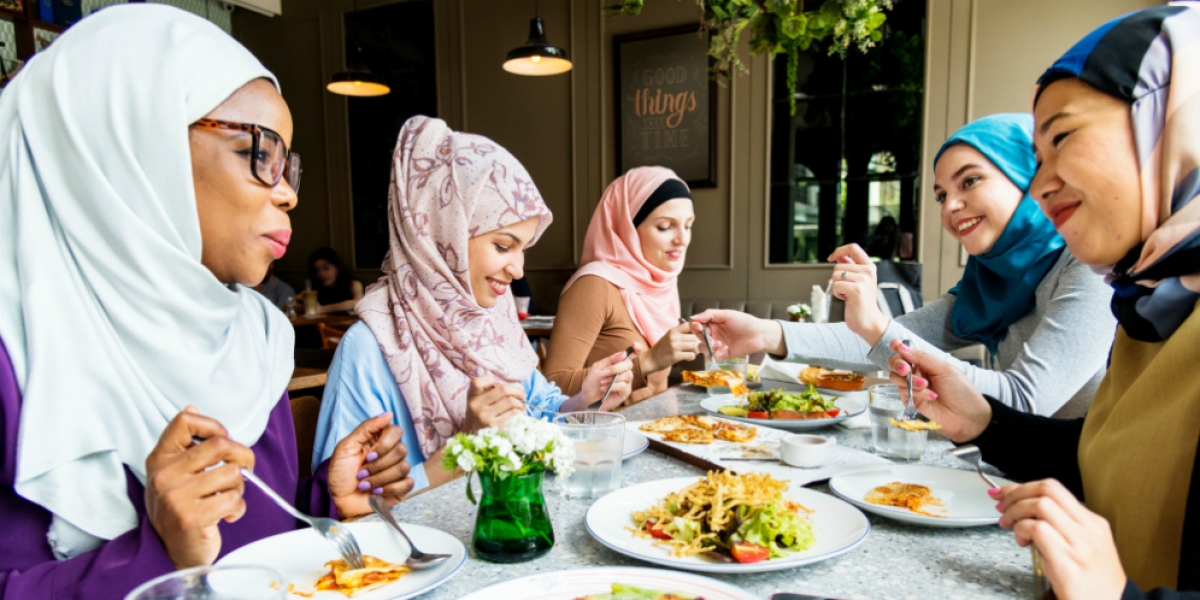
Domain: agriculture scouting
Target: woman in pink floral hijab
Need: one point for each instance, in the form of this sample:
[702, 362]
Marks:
[440, 345]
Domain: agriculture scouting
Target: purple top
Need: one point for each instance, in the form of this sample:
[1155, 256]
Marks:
[28, 569]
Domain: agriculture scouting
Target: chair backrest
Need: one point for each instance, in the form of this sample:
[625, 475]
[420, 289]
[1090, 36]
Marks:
[899, 288]
[305, 411]
[331, 335]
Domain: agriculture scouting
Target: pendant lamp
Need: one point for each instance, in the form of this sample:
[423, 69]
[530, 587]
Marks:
[357, 79]
[537, 56]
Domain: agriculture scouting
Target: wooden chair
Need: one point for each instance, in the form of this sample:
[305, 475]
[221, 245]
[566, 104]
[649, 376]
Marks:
[305, 411]
[331, 335]
[543, 348]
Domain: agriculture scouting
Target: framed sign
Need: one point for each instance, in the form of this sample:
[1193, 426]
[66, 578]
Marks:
[666, 103]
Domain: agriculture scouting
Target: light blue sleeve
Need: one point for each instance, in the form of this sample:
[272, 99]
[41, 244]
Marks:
[541, 396]
[359, 386]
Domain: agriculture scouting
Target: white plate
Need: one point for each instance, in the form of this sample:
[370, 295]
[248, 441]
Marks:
[300, 556]
[635, 444]
[963, 493]
[851, 407]
[837, 526]
[576, 583]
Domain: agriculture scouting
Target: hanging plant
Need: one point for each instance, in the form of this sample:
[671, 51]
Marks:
[780, 27]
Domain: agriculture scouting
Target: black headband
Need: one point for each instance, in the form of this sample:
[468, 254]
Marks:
[667, 191]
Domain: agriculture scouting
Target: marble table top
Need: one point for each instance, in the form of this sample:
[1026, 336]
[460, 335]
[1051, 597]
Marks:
[897, 561]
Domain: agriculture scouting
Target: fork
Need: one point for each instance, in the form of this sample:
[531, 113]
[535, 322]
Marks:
[416, 559]
[971, 455]
[910, 409]
[332, 530]
[703, 330]
[328, 528]
[628, 351]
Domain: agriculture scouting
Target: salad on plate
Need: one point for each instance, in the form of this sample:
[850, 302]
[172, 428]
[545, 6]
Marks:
[782, 404]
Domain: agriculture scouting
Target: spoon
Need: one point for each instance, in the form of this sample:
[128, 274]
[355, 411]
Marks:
[416, 559]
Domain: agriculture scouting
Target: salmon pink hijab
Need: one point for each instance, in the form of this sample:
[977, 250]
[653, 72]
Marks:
[446, 188]
[613, 250]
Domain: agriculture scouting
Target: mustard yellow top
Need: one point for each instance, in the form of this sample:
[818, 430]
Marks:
[1138, 447]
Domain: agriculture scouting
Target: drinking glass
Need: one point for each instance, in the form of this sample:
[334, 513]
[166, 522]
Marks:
[599, 439]
[887, 439]
[216, 582]
[885, 405]
[735, 364]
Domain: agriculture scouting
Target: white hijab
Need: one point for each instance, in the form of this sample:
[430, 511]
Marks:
[112, 324]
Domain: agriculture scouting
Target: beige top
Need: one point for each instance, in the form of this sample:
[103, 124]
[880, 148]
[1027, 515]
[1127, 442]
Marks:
[592, 323]
[1138, 446]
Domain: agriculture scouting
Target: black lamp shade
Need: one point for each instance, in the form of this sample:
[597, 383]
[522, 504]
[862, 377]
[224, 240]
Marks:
[358, 82]
[537, 56]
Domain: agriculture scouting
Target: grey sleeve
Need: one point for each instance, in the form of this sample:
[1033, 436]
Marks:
[834, 345]
[1068, 346]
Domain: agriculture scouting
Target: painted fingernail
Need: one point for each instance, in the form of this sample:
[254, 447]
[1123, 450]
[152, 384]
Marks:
[377, 491]
[999, 505]
[363, 474]
[933, 395]
[905, 347]
[363, 486]
[372, 456]
[382, 414]
[920, 381]
[993, 491]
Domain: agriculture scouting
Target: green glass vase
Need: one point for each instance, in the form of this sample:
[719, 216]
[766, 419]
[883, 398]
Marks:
[513, 524]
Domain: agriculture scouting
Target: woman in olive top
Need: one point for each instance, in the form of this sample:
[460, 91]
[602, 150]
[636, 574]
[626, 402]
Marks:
[625, 294]
[1116, 138]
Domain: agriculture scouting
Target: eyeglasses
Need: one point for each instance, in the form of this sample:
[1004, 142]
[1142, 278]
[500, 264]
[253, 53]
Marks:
[270, 158]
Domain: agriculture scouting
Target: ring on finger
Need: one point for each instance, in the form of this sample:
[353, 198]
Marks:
[843, 275]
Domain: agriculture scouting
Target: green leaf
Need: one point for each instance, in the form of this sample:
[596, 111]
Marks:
[470, 493]
[794, 27]
[719, 12]
[876, 35]
[875, 20]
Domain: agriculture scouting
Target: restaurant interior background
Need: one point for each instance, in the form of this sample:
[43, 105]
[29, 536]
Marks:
[787, 189]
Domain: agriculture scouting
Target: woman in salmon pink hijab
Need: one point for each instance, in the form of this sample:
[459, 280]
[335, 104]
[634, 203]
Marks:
[626, 292]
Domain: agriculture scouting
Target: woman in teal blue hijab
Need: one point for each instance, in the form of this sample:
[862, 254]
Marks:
[1042, 315]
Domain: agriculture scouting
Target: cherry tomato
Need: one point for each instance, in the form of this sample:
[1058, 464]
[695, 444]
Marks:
[657, 531]
[748, 552]
[755, 414]
[833, 413]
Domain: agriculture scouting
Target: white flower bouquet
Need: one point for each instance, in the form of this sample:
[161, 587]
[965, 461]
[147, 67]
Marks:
[799, 311]
[524, 445]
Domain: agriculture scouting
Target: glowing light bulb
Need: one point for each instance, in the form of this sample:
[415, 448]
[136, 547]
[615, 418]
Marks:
[535, 58]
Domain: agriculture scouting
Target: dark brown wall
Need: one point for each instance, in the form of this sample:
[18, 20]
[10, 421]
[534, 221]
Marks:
[560, 127]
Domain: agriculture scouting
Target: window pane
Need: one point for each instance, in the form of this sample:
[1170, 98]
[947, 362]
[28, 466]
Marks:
[845, 167]
[397, 43]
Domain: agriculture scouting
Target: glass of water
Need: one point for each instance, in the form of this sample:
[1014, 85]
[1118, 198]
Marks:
[887, 439]
[885, 405]
[599, 439]
[235, 582]
[735, 364]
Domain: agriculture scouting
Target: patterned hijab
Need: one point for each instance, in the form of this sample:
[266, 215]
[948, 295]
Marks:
[613, 250]
[447, 187]
[1134, 58]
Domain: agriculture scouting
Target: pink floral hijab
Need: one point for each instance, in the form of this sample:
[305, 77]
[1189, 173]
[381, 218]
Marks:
[447, 187]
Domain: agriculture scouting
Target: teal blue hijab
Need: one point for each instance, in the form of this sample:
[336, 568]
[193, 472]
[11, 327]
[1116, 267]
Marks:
[998, 286]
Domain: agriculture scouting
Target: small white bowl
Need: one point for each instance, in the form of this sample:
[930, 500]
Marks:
[806, 451]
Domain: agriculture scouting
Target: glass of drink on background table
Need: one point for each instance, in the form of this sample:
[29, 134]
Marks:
[599, 439]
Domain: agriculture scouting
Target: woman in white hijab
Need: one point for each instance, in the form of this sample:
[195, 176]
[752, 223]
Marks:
[144, 182]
